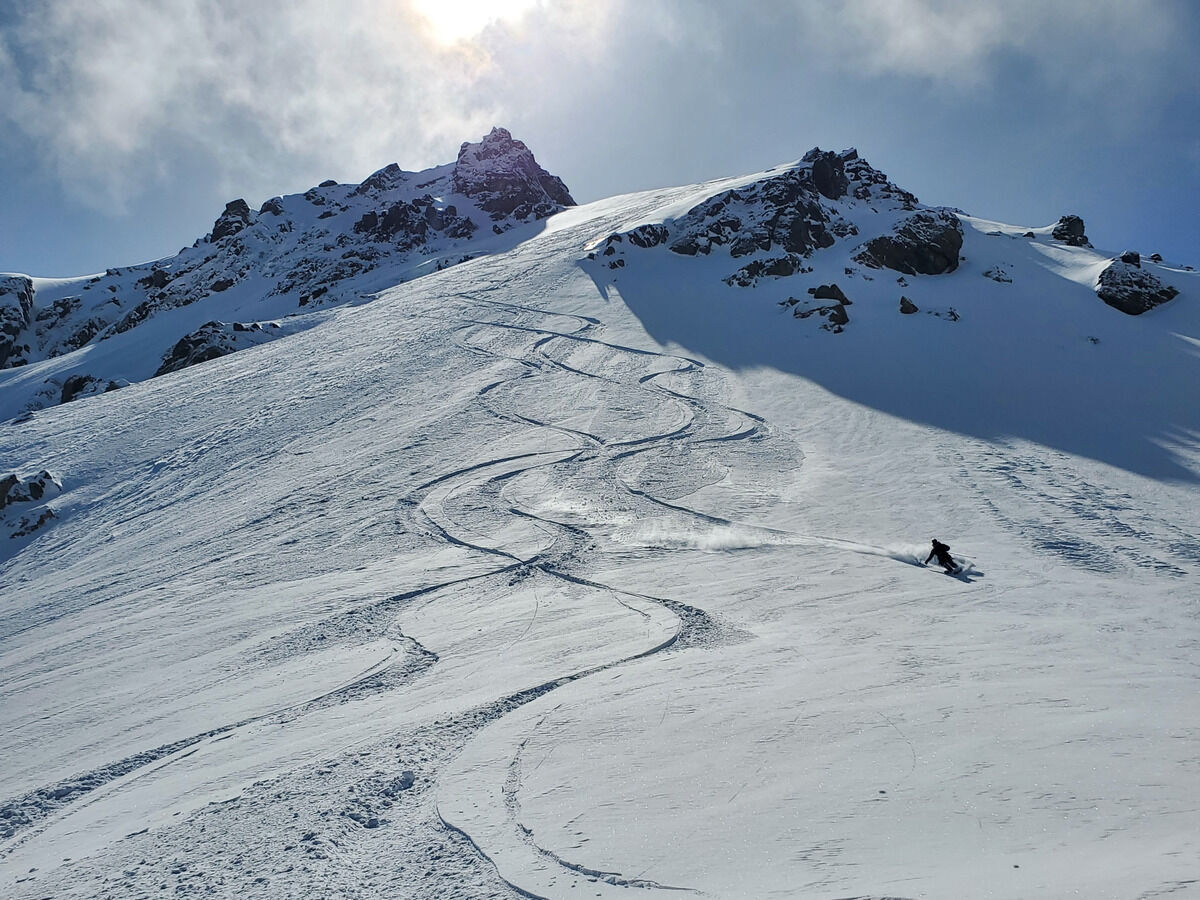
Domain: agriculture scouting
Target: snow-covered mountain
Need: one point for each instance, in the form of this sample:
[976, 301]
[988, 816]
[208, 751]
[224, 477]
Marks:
[331, 245]
[591, 565]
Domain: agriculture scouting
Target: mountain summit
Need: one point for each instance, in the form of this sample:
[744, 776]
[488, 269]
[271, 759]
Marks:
[258, 271]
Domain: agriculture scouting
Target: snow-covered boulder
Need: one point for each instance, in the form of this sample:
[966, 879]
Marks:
[1126, 286]
[15, 490]
[924, 243]
[16, 310]
[505, 181]
[214, 340]
[1069, 230]
[23, 503]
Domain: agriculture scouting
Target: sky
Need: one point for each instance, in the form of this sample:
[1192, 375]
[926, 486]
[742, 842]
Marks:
[126, 125]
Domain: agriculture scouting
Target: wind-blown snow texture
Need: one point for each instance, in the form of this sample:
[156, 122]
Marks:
[568, 573]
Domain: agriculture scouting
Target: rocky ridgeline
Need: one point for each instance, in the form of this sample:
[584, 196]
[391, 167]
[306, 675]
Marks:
[292, 254]
[780, 221]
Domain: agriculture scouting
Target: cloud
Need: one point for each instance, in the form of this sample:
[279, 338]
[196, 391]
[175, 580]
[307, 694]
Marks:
[1077, 45]
[121, 95]
[111, 91]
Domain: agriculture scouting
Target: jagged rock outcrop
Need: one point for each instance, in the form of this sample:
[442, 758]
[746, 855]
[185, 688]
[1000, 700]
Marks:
[780, 213]
[1069, 230]
[924, 243]
[234, 219]
[778, 221]
[828, 173]
[907, 307]
[16, 313]
[1128, 287]
[213, 340]
[505, 181]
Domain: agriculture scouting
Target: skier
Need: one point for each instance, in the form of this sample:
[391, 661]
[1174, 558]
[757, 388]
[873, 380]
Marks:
[942, 552]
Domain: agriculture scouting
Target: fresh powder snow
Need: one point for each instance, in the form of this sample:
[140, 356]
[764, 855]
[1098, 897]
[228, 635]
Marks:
[592, 567]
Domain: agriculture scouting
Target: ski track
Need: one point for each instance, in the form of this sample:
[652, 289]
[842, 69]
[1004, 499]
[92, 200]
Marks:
[559, 555]
[426, 507]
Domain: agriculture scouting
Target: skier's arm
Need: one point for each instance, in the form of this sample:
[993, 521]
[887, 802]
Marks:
[929, 557]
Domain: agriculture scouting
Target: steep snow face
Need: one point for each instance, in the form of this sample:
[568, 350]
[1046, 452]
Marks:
[297, 254]
[538, 577]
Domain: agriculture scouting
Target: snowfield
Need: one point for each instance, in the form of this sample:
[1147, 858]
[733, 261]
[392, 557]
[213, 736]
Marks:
[540, 577]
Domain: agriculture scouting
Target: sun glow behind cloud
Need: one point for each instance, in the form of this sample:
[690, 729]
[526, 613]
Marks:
[452, 21]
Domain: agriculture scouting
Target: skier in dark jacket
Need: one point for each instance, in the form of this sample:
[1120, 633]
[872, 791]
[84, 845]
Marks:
[942, 552]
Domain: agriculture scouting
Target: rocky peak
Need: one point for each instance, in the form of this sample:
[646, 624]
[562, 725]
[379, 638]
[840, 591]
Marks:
[505, 181]
[780, 220]
[828, 172]
[1069, 230]
[234, 219]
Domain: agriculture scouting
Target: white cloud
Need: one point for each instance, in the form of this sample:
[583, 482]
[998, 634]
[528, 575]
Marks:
[265, 98]
[109, 91]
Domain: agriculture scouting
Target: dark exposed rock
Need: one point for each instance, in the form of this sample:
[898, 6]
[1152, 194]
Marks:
[997, 273]
[838, 315]
[211, 341]
[274, 207]
[1132, 257]
[1132, 289]
[234, 219]
[907, 307]
[835, 315]
[156, 280]
[221, 284]
[648, 235]
[1069, 230]
[784, 211]
[1030, 234]
[14, 490]
[828, 173]
[77, 386]
[925, 243]
[16, 493]
[329, 182]
[16, 311]
[776, 267]
[502, 177]
[387, 178]
[1156, 257]
[829, 292]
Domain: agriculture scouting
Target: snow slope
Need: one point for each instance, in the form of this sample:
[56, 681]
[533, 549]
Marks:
[540, 577]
